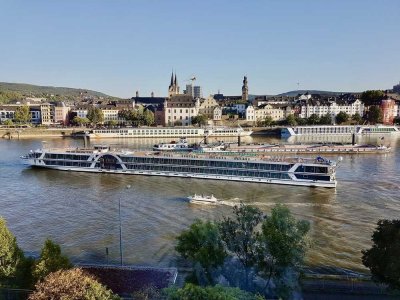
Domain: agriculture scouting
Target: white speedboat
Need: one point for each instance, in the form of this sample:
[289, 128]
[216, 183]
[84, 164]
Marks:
[202, 199]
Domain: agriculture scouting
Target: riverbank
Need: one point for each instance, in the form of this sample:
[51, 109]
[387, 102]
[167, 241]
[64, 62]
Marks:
[27, 133]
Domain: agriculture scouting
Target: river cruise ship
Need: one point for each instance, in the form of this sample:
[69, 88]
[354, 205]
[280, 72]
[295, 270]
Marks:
[317, 172]
[338, 130]
[167, 132]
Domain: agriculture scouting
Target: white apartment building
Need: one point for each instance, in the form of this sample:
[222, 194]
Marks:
[180, 109]
[277, 113]
[217, 113]
[321, 108]
[207, 107]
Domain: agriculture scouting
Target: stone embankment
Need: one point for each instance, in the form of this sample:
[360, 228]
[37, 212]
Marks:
[21, 133]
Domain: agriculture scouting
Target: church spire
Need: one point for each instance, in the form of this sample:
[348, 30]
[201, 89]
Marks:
[176, 81]
[172, 79]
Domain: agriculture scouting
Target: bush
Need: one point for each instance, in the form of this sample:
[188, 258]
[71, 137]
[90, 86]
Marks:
[71, 284]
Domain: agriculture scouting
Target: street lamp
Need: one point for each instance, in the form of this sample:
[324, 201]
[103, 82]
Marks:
[120, 225]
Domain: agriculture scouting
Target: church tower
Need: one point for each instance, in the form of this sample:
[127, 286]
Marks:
[245, 90]
[173, 88]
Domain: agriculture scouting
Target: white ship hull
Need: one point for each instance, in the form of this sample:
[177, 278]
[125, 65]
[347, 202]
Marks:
[167, 132]
[339, 130]
[296, 182]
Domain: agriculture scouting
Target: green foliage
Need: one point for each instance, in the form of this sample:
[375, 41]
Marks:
[313, 120]
[284, 237]
[71, 284]
[50, 260]
[325, 120]
[178, 123]
[202, 244]
[199, 120]
[138, 117]
[383, 258]
[357, 118]
[375, 114]
[22, 114]
[148, 117]
[8, 122]
[268, 121]
[11, 256]
[112, 123]
[238, 233]
[282, 246]
[95, 115]
[80, 121]
[8, 96]
[372, 97]
[341, 117]
[18, 91]
[291, 120]
[301, 121]
[191, 292]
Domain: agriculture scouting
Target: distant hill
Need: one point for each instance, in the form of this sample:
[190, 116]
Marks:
[18, 91]
[295, 93]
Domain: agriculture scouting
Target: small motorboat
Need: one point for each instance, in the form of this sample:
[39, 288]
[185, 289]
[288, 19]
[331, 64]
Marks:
[202, 199]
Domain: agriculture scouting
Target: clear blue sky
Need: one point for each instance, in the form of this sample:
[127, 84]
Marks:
[120, 46]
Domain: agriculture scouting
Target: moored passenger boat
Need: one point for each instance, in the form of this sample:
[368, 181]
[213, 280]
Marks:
[167, 132]
[235, 167]
[339, 130]
[181, 145]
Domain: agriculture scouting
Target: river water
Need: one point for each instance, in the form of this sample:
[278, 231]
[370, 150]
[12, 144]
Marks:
[80, 210]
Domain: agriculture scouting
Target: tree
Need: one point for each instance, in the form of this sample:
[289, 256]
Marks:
[95, 115]
[178, 123]
[112, 123]
[291, 120]
[72, 284]
[22, 114]
[80, 121]
[282, 243]
[191, 291]
[8, 122]
[202, 244]
[301, 121]
[396, 120]
[11, 256]
[199, 120]
[383, 257]
[375, 114]
[341, 117]
[313, 119]
[268, 121]
[50, 260]
[357, 118]
[148, 117]
[373, 97]
[325, 120]
[239, 234]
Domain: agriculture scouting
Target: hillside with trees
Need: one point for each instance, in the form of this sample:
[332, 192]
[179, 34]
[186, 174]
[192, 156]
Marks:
[18, 91]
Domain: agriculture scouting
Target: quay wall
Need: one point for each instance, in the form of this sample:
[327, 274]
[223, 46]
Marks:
[21, 133]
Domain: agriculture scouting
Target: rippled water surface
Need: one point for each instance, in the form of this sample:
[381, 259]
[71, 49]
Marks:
[80, 210]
